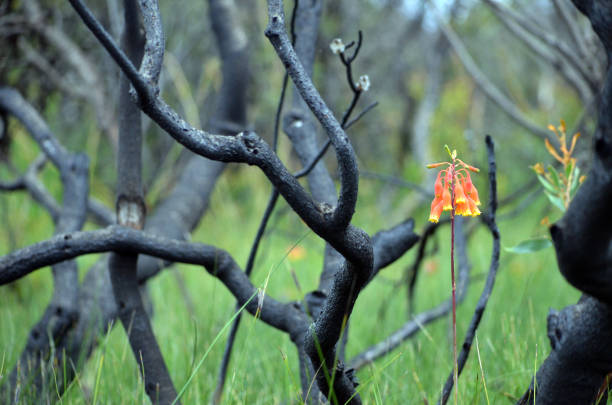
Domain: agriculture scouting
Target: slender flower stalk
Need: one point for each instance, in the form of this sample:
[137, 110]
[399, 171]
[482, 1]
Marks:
[454, 192]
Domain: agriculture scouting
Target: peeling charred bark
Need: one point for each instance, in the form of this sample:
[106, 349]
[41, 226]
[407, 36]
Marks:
[581, 357]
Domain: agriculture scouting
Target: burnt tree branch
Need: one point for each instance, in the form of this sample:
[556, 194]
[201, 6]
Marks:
[62, 311]
[131, 211]
[576, 368]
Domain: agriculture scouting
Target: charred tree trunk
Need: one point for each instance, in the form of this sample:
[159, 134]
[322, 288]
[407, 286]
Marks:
[576, 369]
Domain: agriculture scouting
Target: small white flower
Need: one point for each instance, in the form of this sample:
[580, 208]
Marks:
[337, 46]
[363, 84]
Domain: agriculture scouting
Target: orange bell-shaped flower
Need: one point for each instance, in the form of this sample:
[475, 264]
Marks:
[459, 193]
[446, 199]
[436, 210]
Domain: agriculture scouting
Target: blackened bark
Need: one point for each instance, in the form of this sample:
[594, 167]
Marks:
[31, 373]
[332, 225]
[175, 217]
[300, 128]
[576, 368]
[131, 213]
[580, 358]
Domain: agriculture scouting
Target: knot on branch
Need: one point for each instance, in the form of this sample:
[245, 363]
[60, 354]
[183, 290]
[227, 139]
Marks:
[56, 321]
[294, 118]
[314, 302]
[603, 148]
[251, 142]
[326, 210]
[580, 333]
[352, 376]
[555, 335]
[77, 165]
[276, 24]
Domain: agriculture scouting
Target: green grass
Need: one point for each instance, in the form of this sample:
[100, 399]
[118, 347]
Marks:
[512, 338]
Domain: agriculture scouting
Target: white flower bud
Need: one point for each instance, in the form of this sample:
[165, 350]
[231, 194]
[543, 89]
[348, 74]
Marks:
[363, 84]
[337, 46]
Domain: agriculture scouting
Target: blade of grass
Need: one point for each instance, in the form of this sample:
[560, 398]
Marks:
[98, 375]
[227, 324]
[362, 386]
[261, 292]
[294, 385]
[484, 382]
[535, 370]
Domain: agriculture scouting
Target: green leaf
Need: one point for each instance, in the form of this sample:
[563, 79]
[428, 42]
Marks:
[555, 200]
[575, 181]
[546, 184]
[530, 246]
[555, 176]
[569, 168]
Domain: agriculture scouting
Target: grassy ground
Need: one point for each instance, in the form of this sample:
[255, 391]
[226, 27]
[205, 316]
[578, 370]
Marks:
[511, 339]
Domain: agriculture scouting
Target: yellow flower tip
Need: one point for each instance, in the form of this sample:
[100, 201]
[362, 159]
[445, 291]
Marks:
[582, 179]
[459, 194]
[552, 150]
[473, 208]
[434, 165]
[433, 219]
[463, 208]
[538, 168]
[551, 127]
[562, 126]
[574, 140]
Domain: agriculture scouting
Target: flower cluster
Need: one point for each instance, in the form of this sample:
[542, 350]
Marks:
[454, 181]
[560, 186]
[338, 47]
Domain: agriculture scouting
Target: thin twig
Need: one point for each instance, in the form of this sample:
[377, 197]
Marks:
[414, 269]
[305, 171]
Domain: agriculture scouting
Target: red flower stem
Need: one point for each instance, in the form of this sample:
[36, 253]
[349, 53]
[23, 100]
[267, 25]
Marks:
[454, 286]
